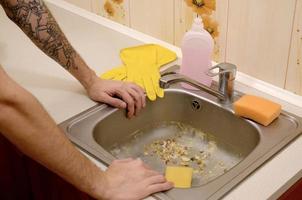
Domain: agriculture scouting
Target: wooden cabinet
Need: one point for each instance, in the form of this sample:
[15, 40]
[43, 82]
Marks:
[23, 178]
[294, 193]
[294, 70]
[154, 17]
[259, 36]
[86, 4]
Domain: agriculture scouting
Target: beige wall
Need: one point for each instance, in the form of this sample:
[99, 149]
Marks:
[262, 37]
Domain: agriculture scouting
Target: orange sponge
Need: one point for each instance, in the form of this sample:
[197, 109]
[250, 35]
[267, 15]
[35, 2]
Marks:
[258, 109]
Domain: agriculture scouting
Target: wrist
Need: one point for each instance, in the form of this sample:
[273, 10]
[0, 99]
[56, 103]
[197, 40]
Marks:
[83, 73]
[100, 187]
[89, 80]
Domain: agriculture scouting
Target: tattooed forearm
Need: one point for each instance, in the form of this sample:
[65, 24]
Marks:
[34, 18]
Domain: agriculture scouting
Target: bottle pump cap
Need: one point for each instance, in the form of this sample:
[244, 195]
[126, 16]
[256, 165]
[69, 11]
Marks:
[197, 24]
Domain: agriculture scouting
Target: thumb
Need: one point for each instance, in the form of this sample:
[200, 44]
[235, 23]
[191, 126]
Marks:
[115, 102]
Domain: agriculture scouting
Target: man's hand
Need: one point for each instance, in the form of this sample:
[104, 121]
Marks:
[132, 180]
[118, 94]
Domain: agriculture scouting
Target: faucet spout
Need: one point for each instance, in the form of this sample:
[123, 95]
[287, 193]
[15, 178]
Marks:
[227, 74]
[170, 79]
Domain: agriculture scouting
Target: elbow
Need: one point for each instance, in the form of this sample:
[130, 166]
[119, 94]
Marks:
[8, 101]
[15, 98]
[9, 97]
[11, 94]
[5, 111]
[14, 104]
[7, 106]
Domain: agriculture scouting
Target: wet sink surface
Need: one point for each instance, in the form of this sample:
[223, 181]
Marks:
[230, 147]
[223, 138]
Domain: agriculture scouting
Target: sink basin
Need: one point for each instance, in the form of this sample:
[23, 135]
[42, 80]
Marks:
[240, 145]
[234, 137]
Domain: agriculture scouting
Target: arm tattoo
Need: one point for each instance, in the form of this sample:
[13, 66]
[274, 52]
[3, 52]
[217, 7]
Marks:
[34, 18]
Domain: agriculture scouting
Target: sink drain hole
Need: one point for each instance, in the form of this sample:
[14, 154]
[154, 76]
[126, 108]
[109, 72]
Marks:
[195, 105]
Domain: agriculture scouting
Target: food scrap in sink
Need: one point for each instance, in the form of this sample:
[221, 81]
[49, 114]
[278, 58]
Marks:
[178, 144]
[182, 152]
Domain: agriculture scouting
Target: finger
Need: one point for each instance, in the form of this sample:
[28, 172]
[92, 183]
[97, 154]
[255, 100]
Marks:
[159, 90]
[124, 160]
[158, 187]
[120, 161]
[152, 173]
[137, 88]
[129, 100]
[157, 179]
[137, 98]
[141, 92]
[149, 89]
[146, 173]
[115, 102]
[140, 83]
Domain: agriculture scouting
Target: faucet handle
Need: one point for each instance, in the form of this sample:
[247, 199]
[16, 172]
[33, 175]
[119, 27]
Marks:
[226, 69]
[227, 74]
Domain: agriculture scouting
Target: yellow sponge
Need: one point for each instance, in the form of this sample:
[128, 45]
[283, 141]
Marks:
[180, 176]
[258, 109]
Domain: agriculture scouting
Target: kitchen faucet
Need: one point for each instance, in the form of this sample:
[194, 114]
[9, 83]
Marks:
[226, 73]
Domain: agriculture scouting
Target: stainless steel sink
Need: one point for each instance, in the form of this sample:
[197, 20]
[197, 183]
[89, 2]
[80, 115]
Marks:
[244, 145]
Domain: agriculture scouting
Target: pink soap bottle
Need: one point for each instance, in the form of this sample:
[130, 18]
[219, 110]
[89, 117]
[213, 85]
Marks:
[197, 47]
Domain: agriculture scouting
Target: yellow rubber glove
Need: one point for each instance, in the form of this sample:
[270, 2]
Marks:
[164, 56]
[148, 58]
[142, 69]
[118, 73]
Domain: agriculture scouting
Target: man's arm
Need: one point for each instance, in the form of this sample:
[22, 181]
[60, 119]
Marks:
[36, 21]
[27, 125]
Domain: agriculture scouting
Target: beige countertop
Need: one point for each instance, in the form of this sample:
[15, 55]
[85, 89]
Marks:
[98, 40]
